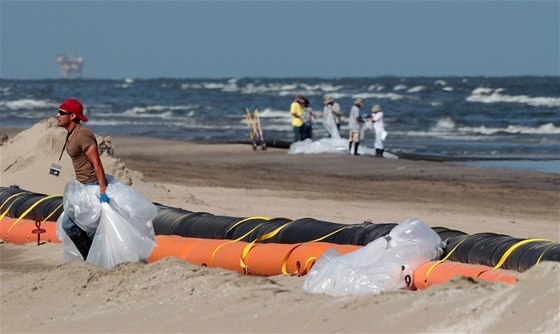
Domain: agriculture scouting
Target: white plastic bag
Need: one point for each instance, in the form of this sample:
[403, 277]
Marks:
[69, 252]
[323, 145]
[384, 264]
[118, 240]
[331, 127]
[134, 207]
[334, 144]
[81, 203]
[127, 236]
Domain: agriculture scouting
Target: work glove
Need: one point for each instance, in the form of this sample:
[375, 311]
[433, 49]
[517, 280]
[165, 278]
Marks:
[103, 198]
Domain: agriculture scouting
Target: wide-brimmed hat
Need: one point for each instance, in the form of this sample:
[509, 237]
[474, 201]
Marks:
[75, 107]
[359, 100]
[376, 108]
[328, 100]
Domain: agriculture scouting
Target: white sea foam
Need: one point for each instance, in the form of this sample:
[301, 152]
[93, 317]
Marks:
[151, 111]
[127, 83]
[191, 86]
[390, 96]
[444, 125]
[276, 127]
[545, 129]
[399, 87]
[416, 89]
[269, 113]
[32, 115]
[121, 122]
[271, 123]
[306, 93]
[28, 104]
[330, 88]
[448, 88]
[488, 95]
[448, 125]
[251, 88]
[229, 86]
[122, 85]
[440, 83]
[446, 128]
[6, 91]
[376, 87]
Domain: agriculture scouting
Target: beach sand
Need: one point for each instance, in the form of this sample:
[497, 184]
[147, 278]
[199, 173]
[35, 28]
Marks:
[41, 295]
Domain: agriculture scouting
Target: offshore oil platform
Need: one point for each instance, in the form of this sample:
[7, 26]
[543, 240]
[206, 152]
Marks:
[70, 66]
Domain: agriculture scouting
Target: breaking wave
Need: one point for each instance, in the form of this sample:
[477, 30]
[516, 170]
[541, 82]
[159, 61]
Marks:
[488, 95]
[448, 125]
[28, 104]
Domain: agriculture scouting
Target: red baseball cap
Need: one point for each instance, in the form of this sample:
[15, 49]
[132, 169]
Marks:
[75, 107]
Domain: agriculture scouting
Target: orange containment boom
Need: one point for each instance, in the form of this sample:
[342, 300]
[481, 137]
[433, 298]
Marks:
[264, 259]
[436, 272]
[269, 259]
[23, 231]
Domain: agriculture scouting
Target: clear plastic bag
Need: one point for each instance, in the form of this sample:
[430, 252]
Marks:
[127, 233]
[130, 204]
[69, 252]
[323, 145]
[81, 203]
[117, 240]
[384, 264]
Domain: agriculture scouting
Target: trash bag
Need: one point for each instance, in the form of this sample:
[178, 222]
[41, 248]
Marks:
[133, 206]
[127, 233]
[69, 252]
[117, 240]
[330, 126]
[81, 204]
[324, 145]
[384, 264]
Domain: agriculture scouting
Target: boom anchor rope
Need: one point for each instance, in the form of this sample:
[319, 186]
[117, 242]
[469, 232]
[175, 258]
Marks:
[38, 231]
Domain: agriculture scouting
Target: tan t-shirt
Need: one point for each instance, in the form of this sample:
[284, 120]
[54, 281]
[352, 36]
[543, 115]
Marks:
[80, 139]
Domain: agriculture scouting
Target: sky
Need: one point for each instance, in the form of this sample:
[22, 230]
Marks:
[237, 39]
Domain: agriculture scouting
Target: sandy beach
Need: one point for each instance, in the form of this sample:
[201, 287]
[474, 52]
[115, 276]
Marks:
[41, 295]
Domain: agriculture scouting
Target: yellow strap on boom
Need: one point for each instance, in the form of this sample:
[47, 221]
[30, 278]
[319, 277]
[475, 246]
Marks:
[27, 211]
[433, 266]
[180, 217]
[546, 250]
[252, 243]
[9, 207]
[285, 262]
[232, 241]
[328, 235]
[245, 220]
[52, 213]
[512, 248]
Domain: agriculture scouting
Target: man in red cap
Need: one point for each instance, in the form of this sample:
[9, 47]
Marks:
[81, 146]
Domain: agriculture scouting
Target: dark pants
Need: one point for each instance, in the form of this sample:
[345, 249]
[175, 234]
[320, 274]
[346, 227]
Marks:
[298, 133]
[307, 131]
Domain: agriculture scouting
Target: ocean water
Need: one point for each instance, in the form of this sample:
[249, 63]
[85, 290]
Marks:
[506, 122]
